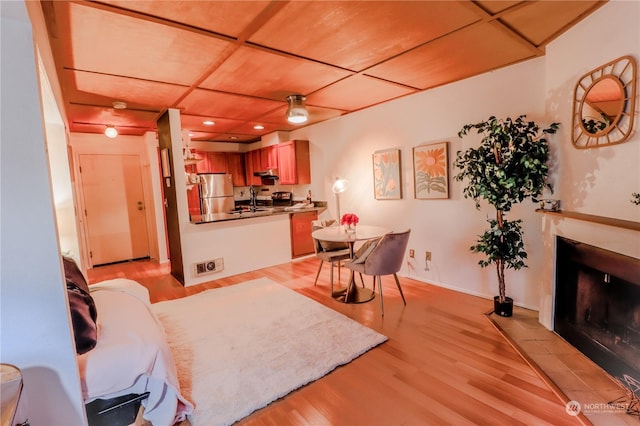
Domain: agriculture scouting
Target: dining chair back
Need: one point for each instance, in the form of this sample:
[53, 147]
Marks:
[328, 251]
[384, 259]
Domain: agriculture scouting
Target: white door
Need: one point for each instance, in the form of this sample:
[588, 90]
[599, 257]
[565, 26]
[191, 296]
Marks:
[114, 207]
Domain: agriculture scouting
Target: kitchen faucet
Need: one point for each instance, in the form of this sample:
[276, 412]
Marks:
[252, 195]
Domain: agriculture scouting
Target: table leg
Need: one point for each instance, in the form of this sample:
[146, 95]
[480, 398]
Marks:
[352, 293]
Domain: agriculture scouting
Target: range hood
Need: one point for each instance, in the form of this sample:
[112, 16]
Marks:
[267, 174]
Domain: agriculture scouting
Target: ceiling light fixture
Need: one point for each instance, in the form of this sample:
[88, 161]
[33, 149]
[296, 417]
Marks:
[297, 112]
[258, 127]
[208, 122]
[111, 132]
[120, 105]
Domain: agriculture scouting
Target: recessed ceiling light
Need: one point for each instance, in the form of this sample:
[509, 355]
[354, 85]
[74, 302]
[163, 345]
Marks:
[119, 105]
[111, 132]
[208, 122]
[258, 127]
[233, 138]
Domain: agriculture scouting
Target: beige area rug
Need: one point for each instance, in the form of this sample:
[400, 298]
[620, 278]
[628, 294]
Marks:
[238, 348]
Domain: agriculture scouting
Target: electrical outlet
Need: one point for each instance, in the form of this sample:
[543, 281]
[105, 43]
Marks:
[208, 266]
[427, 255]
[412, 253]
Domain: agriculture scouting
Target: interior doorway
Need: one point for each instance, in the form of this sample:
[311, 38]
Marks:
[114, 208]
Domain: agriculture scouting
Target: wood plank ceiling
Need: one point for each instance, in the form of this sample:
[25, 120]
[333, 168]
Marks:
[235, 62]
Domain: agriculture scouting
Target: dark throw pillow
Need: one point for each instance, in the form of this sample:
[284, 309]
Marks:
[82, 306]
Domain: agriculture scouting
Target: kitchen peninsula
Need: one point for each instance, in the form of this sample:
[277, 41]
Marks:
[205, 248]
[257, 212]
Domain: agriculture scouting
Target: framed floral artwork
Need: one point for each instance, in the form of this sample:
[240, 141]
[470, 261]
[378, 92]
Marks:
[386, 175]
[431, 171]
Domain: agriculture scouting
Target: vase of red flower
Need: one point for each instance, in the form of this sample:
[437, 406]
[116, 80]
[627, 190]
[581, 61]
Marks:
[349, 220]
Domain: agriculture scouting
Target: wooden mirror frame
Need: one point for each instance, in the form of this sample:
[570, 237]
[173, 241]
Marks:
[616, 128]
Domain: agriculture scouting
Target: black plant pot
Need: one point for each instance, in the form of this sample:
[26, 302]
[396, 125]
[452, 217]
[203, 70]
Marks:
[503, 309]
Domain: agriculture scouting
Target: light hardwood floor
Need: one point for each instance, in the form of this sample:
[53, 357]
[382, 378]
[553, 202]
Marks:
[444, 362]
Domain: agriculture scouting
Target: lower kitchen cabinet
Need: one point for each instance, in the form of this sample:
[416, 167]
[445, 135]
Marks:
[301, 240]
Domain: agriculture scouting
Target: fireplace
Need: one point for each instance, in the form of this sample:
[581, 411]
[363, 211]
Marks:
[597, 305]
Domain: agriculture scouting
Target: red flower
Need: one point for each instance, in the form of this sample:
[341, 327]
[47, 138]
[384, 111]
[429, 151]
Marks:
[349, 219]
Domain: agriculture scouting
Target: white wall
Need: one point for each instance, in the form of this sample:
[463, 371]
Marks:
[57, 154]
[344, 147]
[244, 245]
[596, 181]
[35, 323]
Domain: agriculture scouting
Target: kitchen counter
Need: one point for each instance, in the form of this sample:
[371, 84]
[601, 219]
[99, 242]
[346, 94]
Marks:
[258, 212]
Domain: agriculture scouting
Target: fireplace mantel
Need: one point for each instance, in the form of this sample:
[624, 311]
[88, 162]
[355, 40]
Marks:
[618, 223]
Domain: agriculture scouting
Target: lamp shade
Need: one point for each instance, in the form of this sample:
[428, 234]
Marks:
[297, 112]
[340, 185]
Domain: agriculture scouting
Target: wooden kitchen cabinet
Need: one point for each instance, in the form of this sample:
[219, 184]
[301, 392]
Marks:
[212, 162]
[269, 157]
[223, 162]
[193, 200]
[252, 164]
[235, 163]
[217, 162]
[301, 240]
[294, 163]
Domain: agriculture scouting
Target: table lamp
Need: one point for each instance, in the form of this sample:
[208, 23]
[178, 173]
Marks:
[339, 186]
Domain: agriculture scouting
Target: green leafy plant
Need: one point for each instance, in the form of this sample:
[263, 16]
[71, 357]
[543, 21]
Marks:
[509, 166]
[594, 126]
[635, 198]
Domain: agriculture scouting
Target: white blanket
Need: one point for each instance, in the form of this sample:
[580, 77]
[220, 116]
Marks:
[132, 354]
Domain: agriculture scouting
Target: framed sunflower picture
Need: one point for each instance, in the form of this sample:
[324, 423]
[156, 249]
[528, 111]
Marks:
[431, 171]
[386, 175]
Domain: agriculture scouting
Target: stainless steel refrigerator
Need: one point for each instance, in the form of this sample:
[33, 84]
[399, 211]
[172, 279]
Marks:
[216, 193]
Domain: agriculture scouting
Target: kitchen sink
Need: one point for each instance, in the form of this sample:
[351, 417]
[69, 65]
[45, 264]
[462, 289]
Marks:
[249, 210]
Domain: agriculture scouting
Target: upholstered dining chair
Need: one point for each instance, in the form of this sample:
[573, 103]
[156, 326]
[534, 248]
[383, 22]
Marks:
[328, 251]
[383, 258]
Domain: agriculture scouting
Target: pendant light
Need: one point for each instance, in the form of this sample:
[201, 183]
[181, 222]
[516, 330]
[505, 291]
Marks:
[297, 112]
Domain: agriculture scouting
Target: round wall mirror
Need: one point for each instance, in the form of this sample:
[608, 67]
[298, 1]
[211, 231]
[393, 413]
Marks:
[604, 104]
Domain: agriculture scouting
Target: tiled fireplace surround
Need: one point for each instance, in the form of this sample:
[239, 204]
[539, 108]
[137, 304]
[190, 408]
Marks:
[573, 375]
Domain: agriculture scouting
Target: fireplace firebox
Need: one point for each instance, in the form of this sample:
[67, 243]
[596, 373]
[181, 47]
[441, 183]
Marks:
[597, 305]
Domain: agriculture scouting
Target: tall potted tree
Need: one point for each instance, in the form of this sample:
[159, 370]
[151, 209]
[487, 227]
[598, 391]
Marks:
[509, 166]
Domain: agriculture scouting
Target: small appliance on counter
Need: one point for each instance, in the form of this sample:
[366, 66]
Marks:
[216, 193]
[282, 198]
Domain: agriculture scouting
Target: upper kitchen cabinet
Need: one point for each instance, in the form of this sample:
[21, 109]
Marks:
[223, 162]
[294, 163]
[212, 162]
[235, 162]
[268, 157]
[252, 165]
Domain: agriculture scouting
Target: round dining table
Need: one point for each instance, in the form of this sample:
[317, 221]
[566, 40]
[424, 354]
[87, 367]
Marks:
[338, 234]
